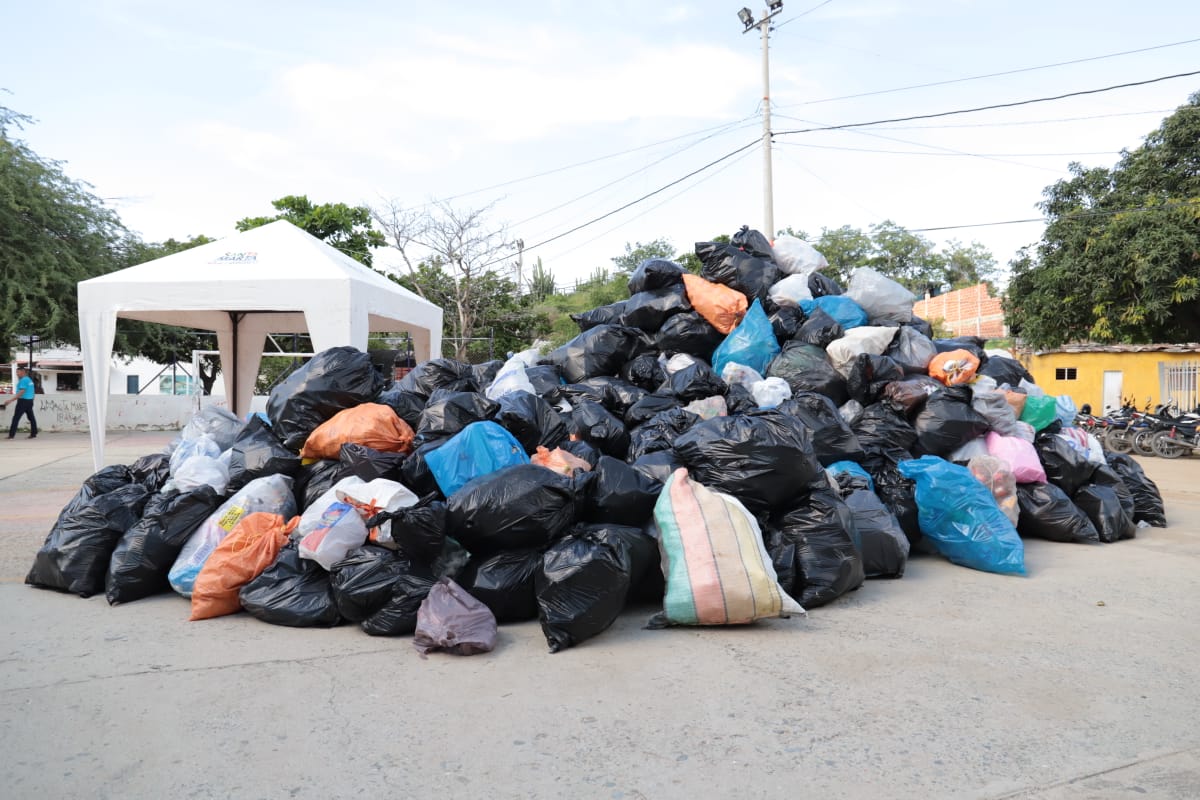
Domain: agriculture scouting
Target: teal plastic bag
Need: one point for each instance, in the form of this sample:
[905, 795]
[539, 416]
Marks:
[481, 448]
[845, 311]
[853, 468]
[751, 343]
[961, 518]
[1039, 411]
[1065, 410]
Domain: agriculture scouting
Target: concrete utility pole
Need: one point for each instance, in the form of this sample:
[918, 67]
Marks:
[747, 19]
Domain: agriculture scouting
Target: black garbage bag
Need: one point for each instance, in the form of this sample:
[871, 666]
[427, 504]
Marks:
[786, 322]
[832, 438]
[616, 492]
[880, 429]
[870, 375]
[753, 242]
[592, 423]
[505, 583]
[257, 452]
[76, 553]
[584, 581]
[921, 326]
[806, 368]
[896, 491]
[416, 474]
[531, 420]
[1103, 508]
[600, 315]
[601, 350]
[1066, 467]
[418, 531]
[315, 479]
[648, 310]
[655, 273]
[486, 372]
[1105, 475]
[908, 396]
[293, 591]
[151, 471]
[1147, 502]
[439, 373]
[972, 344]
[516, 507]
[1005, 370]
[739, 400]
[764, 458]
[1048, 513]
[659, 432]
[447, 413]
[881, 541]
[815, 545]
[615, 394]
[142, 558]
[547, 382]
[398, 616]
[912, 350]
[362, 581]
[104, 481]
[407, 405]
[821, 285]
[644, 372]
[332, 381]
[368, 463]
[658, 465]
[643, 410]
[819, 329]
[585, 450]
[694, 382]
[728, 265]
[688, 333]
[948, 421]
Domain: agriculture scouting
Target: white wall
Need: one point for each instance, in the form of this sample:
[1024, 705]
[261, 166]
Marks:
[68, 412]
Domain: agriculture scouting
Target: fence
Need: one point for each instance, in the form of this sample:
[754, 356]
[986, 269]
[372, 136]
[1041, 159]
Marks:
[1180, 381]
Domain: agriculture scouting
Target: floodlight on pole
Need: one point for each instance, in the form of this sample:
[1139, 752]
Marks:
[763, 24]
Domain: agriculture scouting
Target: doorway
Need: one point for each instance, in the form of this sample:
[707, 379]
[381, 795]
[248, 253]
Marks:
[1113, 380]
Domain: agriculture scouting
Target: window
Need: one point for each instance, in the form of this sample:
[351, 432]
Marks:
[1064, 374]
[70, 382]
[131, 384]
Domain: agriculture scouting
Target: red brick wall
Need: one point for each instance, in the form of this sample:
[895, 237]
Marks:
[967, 312]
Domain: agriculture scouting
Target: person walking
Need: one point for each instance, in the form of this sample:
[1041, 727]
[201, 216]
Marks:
[23, 394]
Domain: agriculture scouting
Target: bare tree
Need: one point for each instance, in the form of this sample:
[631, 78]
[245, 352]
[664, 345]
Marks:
[454, 258]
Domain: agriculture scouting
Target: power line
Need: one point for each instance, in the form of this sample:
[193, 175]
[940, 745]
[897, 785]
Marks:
[803, 14]
[990, 107]
[944, 155]
[1021, 122]
[1075, 215]
[993, 74]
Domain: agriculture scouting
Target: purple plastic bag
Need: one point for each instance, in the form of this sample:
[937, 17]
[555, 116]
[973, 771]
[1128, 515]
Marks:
[451, 619]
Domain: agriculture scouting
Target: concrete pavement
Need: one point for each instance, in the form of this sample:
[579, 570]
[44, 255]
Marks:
[1075, 682]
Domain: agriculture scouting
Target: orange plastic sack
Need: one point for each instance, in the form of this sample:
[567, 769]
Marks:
[722, 307]
[371, 424]
[561, 461]
[250, 548]
[1017, 401]
[954, 368]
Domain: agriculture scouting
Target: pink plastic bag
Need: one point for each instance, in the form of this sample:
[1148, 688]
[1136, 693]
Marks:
[451, 619]
[1021, 456]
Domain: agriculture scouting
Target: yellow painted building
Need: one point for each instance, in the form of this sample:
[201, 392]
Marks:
[1103, 375]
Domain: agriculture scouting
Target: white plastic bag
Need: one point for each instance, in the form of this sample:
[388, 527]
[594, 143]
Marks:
[377, 496]
[271, 494]
[972, 449]
[202, 445]
[997, 476]
[796, 256]
[510, 378]
[198, 471]
[791, 290]
[734, 372]
[770, 392]
[311, 516]
[340, 530]
[219, 423]
[676, 362]
[863, 339]
[880, 296]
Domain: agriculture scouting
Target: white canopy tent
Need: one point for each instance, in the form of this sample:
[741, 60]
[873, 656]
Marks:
[272, 279]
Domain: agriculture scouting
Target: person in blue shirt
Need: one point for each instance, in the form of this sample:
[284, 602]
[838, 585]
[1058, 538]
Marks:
[24, 397]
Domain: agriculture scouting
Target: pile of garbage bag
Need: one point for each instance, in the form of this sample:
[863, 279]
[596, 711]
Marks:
[742, 444]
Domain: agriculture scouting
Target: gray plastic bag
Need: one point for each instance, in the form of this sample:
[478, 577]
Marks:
[450, 619]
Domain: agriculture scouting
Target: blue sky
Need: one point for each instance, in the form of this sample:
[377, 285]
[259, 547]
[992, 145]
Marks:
[189, 117]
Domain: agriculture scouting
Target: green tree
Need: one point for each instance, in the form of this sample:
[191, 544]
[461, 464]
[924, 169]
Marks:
[348, 228]
[53, 233]
[1119, 260]
[845, 248]
[541, 282]
[637, 253]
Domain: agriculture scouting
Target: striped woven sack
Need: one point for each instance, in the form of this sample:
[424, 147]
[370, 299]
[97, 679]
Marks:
[717, 570]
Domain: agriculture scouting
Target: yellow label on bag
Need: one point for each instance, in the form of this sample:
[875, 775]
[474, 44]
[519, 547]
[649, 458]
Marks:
[231, 518]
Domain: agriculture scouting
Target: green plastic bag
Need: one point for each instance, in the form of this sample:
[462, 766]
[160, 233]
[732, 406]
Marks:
[1039, 411]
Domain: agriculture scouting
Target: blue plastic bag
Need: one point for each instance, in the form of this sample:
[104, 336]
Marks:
[845, 311]
[481, 448]
[1065, 410]
[752, 343]
[855, 469]
[961, 518]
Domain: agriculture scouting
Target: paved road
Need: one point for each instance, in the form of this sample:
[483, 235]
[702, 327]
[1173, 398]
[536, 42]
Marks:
[1078, 681]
